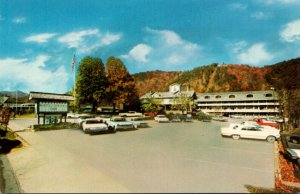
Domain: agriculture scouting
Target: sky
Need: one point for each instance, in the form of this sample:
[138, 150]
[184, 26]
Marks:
[38, 38]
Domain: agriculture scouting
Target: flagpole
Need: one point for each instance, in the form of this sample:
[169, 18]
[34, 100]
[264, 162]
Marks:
[74, 74]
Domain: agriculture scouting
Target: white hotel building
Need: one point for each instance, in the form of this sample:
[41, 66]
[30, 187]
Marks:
[250, 103]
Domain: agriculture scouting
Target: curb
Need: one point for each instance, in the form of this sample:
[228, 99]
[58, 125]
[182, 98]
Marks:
[277, 169]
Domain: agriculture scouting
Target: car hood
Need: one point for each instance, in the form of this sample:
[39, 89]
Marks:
[294, 152]
[95, 125]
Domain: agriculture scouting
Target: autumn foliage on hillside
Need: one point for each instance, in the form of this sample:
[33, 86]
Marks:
[210, 78]
[157, 81]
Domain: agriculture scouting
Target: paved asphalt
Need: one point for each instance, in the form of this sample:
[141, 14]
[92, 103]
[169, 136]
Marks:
[168, 157]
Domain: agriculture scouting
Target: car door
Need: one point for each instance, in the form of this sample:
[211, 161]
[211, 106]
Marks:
[252, 132]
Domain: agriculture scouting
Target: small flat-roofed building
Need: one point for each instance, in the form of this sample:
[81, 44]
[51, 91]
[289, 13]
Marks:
[51, 107]
[249, 103]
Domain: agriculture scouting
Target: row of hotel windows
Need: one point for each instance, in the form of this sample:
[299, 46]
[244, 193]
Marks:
[233, 96]
[236, 102]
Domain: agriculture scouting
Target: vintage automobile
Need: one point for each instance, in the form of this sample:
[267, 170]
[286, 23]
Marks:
[291, 146]
[176, 118]
[187, 118]
[237, 131]
[94, 126]
[116, 123]
[262, 121]
[161, 118]
[220, 118]
[131, 114]
[137, 122]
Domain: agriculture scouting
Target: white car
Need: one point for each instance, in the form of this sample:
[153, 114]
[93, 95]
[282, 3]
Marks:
[131, 114]
[93, 126]
[161, 118]
[116, 123]
[137, 122]
[237, 131]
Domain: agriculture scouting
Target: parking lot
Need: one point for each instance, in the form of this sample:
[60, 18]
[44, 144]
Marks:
[173, 157]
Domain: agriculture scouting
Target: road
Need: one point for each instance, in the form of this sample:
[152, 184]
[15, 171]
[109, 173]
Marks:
[172, 157]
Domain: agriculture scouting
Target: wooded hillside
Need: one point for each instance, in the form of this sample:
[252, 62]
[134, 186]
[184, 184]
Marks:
[210, 78]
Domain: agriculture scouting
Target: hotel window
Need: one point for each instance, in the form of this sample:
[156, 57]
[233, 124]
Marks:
[207, 97]
[249, 96]
[231, 96]
[218, 96]
[269, 95]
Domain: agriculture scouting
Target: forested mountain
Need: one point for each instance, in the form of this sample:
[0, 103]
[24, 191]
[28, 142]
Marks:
[210, 78]
[157, 81]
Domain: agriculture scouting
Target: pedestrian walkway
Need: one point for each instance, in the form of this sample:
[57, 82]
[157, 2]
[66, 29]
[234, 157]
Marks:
[43, 166]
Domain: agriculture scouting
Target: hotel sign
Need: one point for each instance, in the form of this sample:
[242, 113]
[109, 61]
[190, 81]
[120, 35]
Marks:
[53, 107]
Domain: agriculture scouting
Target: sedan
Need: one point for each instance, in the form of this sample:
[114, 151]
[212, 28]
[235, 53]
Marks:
[291, 146]
[237, 131]
[93, 126]
[161, 118]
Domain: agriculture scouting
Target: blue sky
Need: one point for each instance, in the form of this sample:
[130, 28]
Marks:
[38, 37]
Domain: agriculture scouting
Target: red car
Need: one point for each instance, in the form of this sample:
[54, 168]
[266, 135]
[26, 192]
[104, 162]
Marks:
[150, 114]
[262, 121]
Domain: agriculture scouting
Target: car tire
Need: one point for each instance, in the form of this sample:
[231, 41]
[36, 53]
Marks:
[111, 129]
[271, 139]
[235, 137]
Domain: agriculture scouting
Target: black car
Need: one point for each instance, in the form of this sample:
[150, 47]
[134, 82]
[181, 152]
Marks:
[291, 146]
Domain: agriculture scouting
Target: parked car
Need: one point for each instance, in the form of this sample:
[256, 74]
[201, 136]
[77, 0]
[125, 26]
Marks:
[105, 117]
[131, 114]
[161, 118]
[150, 114]
[116, 123]
[93, 126]
[291, 146]
[237, 131]
[82, 118]
[75, 115]
[262, 121]
[176, 118]
[220, 118]
[137, 122]
[187, 118]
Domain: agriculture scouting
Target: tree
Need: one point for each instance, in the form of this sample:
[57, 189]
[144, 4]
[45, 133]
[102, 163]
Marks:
[121, 90]
[91, 82]
[5, 114]
[151, 105]
[182, 102]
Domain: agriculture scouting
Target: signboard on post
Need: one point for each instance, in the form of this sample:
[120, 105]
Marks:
[51, 107]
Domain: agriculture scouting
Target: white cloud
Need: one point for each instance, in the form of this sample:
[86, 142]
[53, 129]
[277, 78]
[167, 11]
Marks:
[238, 47]
[88, 40]
[291, 32]
[110, 38]
[169, 37]
[74, 39]
[139, 53]
[30, 75]
[255, 55]
[19, 20]
[280, 1]
[39, 38]
[238, 6]
[260, 15]
[164, 49]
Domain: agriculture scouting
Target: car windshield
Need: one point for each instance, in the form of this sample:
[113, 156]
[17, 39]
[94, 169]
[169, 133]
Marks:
[137, 119]
[119, 119]
[93, 121]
